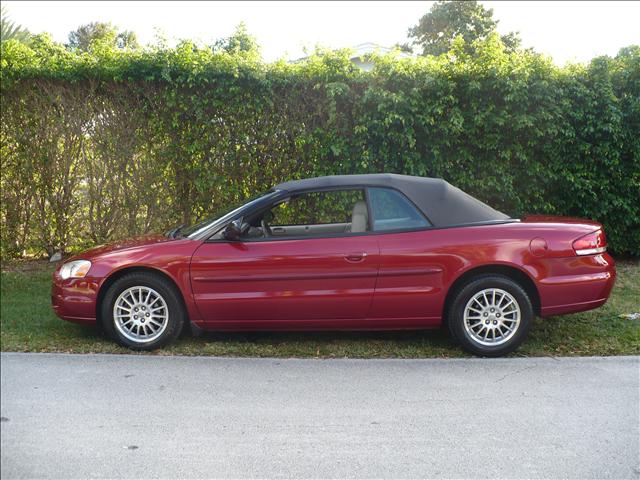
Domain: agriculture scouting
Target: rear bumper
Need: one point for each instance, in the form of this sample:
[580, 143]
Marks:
[74, 299]
[577, 284]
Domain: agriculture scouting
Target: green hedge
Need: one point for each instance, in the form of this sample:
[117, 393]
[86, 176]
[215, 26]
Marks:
[110, 144]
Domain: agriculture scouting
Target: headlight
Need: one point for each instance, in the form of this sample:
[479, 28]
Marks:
[75, 269]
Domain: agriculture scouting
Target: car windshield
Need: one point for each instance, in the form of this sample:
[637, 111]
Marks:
[221, 216]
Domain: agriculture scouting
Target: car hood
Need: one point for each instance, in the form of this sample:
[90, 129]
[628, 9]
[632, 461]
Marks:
[127, 244]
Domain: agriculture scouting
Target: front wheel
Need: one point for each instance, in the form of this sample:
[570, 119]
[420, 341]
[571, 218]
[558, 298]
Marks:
[490, 316]
[142, 311]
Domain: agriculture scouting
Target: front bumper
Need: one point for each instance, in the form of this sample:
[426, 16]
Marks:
[74, 299]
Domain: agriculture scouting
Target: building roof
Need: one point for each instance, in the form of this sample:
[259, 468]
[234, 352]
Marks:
[368, 48]
[442, 203]
[362, 50]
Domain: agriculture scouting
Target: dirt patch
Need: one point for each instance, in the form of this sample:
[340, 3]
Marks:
[25, 265]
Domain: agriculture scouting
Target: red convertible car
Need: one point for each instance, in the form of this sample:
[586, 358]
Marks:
[352, 252]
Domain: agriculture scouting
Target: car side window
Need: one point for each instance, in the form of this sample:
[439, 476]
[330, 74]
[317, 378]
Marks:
[317, 214]
[391, 210]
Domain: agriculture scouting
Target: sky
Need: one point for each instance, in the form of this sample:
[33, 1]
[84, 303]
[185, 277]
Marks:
[567, 31]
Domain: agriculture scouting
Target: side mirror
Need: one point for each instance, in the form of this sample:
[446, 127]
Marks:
[234, 230]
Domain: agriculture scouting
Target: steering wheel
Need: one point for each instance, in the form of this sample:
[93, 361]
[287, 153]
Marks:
[265, 228]
[267, 217]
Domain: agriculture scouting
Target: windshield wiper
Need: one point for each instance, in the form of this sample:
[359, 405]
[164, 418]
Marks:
[173, 233]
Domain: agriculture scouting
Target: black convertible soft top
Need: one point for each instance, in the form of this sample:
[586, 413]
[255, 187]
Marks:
[442, 203]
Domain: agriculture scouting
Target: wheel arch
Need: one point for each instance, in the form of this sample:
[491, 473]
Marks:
[115, 275]
[510, 271]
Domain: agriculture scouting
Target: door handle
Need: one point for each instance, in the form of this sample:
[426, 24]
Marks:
[355, 257]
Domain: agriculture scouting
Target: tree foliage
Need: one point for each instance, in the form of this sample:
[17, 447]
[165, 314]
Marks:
[101, 33]
[437, 29]
[240, 42]
[102, 145]
[9, 30]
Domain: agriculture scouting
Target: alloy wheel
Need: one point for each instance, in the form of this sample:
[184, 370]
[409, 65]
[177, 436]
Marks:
[491, 317]
[140, 314]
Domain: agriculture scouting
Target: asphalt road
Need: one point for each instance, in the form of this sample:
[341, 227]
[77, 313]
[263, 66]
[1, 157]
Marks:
[146, 416]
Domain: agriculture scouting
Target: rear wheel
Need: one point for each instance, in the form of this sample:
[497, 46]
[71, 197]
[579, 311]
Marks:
[142, 311]
[490, 316]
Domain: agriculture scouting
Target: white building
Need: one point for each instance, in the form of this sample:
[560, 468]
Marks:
[360, 53]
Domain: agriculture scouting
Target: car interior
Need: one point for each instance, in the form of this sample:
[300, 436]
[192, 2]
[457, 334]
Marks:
[312, 214]
[333, 212]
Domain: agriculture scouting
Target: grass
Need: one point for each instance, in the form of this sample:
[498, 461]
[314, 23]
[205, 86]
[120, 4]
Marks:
[29, 325]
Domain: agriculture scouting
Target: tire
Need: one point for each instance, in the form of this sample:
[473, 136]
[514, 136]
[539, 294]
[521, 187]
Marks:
[159, 318]
[486, 332]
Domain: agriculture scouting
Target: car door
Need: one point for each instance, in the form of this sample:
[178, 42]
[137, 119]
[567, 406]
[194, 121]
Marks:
[409, 288]
[313, 271]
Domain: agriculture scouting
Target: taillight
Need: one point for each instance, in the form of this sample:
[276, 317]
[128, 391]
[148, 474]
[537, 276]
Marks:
[591, 243]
